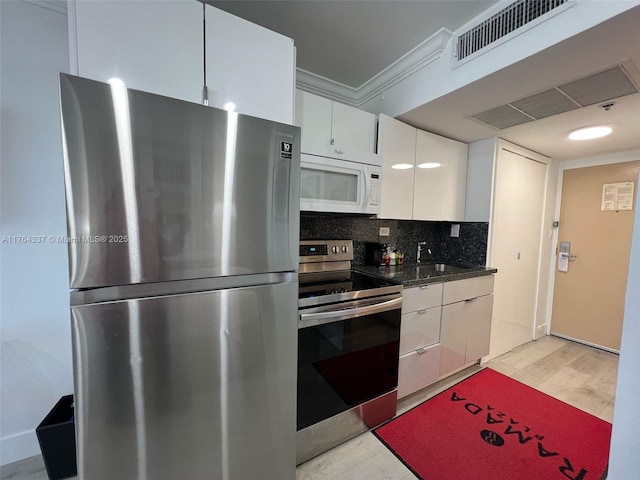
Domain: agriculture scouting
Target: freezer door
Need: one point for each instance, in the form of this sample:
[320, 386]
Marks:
[159, 189]
[188, 386]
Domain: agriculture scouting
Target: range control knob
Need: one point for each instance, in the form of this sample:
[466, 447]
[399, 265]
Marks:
[344, 249]
[334, 249]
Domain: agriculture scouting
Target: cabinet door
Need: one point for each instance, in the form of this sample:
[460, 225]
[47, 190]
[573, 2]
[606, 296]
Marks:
[250, 66]
[156, 48]
[397, 144]
[439, 192]
[454, 181]
[353, 131]
[478, 327]
[313, 116]
[453, 337]
[420, 329]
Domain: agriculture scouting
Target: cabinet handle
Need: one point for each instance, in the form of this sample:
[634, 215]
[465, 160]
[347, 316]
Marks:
[424, 287]
[470, 299]
[422, 311]
[332, 141]
[421, 350]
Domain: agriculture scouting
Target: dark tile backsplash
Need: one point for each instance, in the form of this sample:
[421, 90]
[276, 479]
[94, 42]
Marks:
[469, 248]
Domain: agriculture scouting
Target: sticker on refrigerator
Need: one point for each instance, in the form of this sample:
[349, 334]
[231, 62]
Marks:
[285, 149]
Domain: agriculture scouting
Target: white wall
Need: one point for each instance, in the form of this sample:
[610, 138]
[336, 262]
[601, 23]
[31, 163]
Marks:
[624, 461]
[34, 314]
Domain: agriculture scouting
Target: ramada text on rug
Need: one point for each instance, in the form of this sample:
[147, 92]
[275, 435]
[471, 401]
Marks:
[512, 427]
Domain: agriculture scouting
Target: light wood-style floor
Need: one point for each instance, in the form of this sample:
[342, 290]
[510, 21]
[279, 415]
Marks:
[579, 375]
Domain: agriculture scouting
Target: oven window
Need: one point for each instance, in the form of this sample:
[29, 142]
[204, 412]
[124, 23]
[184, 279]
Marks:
[326, 185]
[345, 363]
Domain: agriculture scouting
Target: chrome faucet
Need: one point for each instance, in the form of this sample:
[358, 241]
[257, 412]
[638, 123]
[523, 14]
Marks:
[424, 254]
[421, 247]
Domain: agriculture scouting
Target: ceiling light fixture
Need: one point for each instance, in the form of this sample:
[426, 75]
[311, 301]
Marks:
[588, 133]
[229, 107]
[402, 166]
[430, 165]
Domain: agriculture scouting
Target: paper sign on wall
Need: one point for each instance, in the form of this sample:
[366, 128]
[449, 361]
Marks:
[617, 196]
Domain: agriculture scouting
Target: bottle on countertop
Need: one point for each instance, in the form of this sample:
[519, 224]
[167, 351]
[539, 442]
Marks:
[392, 257]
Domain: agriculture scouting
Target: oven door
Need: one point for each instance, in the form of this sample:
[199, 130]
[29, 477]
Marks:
[347, 355]
[330, 185]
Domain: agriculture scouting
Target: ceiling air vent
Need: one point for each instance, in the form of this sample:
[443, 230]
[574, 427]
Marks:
[503, 23]
[596, 88]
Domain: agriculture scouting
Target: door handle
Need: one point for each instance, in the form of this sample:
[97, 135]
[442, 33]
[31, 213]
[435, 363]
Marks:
[320, 318]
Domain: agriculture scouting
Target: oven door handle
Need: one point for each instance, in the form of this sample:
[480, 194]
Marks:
[311, 319]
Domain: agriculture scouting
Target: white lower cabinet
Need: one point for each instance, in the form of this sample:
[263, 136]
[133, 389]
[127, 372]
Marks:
[466, 323]
[444, 327]
[418, 369]
[478, 328]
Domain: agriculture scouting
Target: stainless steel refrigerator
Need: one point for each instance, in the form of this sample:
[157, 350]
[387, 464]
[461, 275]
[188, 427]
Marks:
[183, 226]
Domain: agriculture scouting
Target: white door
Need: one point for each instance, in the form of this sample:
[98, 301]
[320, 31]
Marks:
[520, 187]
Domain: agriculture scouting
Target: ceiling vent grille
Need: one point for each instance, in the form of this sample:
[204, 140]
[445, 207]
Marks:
[599, 87]
[503, 23]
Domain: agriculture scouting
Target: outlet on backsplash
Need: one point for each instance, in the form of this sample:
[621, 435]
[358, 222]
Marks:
[384, 231]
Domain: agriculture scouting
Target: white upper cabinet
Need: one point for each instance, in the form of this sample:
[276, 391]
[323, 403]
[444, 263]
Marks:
[313, 116]
[156, 47]
[397, 144]
[333, 129]
[412, 190]
[439, 193]
[352, 130]
[159, 47]
[250, 66]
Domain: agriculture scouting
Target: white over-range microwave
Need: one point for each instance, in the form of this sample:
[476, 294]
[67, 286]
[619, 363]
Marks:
[340, 186]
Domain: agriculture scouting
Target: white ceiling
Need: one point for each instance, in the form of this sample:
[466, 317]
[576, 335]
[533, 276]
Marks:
[351, 41]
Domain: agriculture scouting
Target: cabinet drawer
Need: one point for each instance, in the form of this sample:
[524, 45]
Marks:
[419, 298]
[420, 329]
[465, 289]
[418, 369]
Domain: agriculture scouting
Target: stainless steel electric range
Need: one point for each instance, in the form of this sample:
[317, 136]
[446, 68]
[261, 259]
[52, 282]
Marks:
[348, 346]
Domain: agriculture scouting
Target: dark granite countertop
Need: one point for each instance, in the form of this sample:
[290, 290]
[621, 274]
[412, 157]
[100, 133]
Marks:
[413, 275]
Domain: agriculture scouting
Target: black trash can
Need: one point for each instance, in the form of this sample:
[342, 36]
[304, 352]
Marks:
[57, 438]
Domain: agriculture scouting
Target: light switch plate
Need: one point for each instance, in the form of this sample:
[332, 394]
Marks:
[384, 231]
[455, 229]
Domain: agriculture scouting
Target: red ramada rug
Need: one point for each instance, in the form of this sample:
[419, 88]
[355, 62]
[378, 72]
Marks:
[490, 426]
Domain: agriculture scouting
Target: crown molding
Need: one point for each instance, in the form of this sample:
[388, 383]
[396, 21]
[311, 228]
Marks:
[312, 83]
[418, 57]
[59, 6]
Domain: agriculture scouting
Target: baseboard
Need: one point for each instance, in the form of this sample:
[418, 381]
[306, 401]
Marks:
[540, 331]
[18, 447]
[589, 344]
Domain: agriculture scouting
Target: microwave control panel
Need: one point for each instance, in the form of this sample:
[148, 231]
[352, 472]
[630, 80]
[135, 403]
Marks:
[374, 192]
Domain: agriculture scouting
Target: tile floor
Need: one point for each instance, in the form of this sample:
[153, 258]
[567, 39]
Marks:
[579, 375]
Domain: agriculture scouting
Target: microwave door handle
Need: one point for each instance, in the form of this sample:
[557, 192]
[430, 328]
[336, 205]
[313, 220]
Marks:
[365, 188]
[311, 319]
